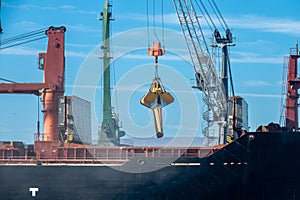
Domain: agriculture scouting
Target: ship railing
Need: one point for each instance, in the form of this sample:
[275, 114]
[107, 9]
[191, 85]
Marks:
[110, 155]
[41, 137]
[17, 159]
[126, 153]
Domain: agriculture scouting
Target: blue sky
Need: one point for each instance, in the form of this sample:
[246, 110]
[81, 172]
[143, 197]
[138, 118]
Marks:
[265, 30]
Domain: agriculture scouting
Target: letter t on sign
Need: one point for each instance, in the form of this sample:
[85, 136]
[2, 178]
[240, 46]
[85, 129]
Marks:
[33, 191]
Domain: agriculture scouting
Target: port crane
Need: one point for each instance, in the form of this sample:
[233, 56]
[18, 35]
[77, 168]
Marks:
[157, 97]
[109, 132]
[207, 79]
[291, 84]
[51, 89]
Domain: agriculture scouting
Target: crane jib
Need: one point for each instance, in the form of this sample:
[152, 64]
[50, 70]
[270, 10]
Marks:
[200, 56]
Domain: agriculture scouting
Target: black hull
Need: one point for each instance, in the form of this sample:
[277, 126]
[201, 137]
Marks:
[256, 166]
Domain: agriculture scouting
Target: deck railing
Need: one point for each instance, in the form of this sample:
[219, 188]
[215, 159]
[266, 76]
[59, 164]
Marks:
[94, 154]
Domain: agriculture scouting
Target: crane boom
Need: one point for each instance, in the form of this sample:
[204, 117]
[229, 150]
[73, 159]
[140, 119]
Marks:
[209, 82]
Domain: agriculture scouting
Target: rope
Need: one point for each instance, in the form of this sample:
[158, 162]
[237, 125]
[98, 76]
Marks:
[216, 14]
[220, 13]
[205, 17]
[148, 25]
[154, 29]
[212, 22]
[23, 38]
[6, 80]
[163, 23]
[156, 70]
[230, 75]
[6, 47]
[0, 21]
[154, 21]
[114, 71]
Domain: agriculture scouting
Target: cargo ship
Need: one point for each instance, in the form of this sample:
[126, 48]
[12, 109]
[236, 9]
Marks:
[260, 165]
[62, 165]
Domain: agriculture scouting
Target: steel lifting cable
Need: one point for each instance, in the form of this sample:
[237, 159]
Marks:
[231, 78]
[148, 25]
[32, 40]
[207, 14]
[163, 23]
[220, 14]
[0, 20]
[23, 38]
[154, 22]
[205, 18]
[113, 68]
[213, 8]
[1, 30]
[6, 80]
[154, 27]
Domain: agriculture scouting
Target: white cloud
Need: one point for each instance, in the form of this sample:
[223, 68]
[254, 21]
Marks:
[251, 57]
[24, 51]
[146, 57]
[81, 45]
[82, 28]
[276, 96]
[70, 8]
[170, 18]
[75, 54]
[26, 24]
[256, 22]
[270, 60]
[266, 24]
[84, 86]
[257, 83]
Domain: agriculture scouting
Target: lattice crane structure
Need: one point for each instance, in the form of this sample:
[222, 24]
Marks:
[207, 78]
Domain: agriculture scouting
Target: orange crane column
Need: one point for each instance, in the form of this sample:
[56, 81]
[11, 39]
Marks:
[50, 101]
[53, 63]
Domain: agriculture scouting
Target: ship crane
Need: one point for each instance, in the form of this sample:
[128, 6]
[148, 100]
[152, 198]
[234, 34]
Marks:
[206, 75]
[224, 43]
[290, 97]
[157, 96]
[52, 88]
[109, 132]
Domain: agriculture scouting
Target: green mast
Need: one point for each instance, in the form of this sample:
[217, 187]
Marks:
[109, 134]
[106, 66]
